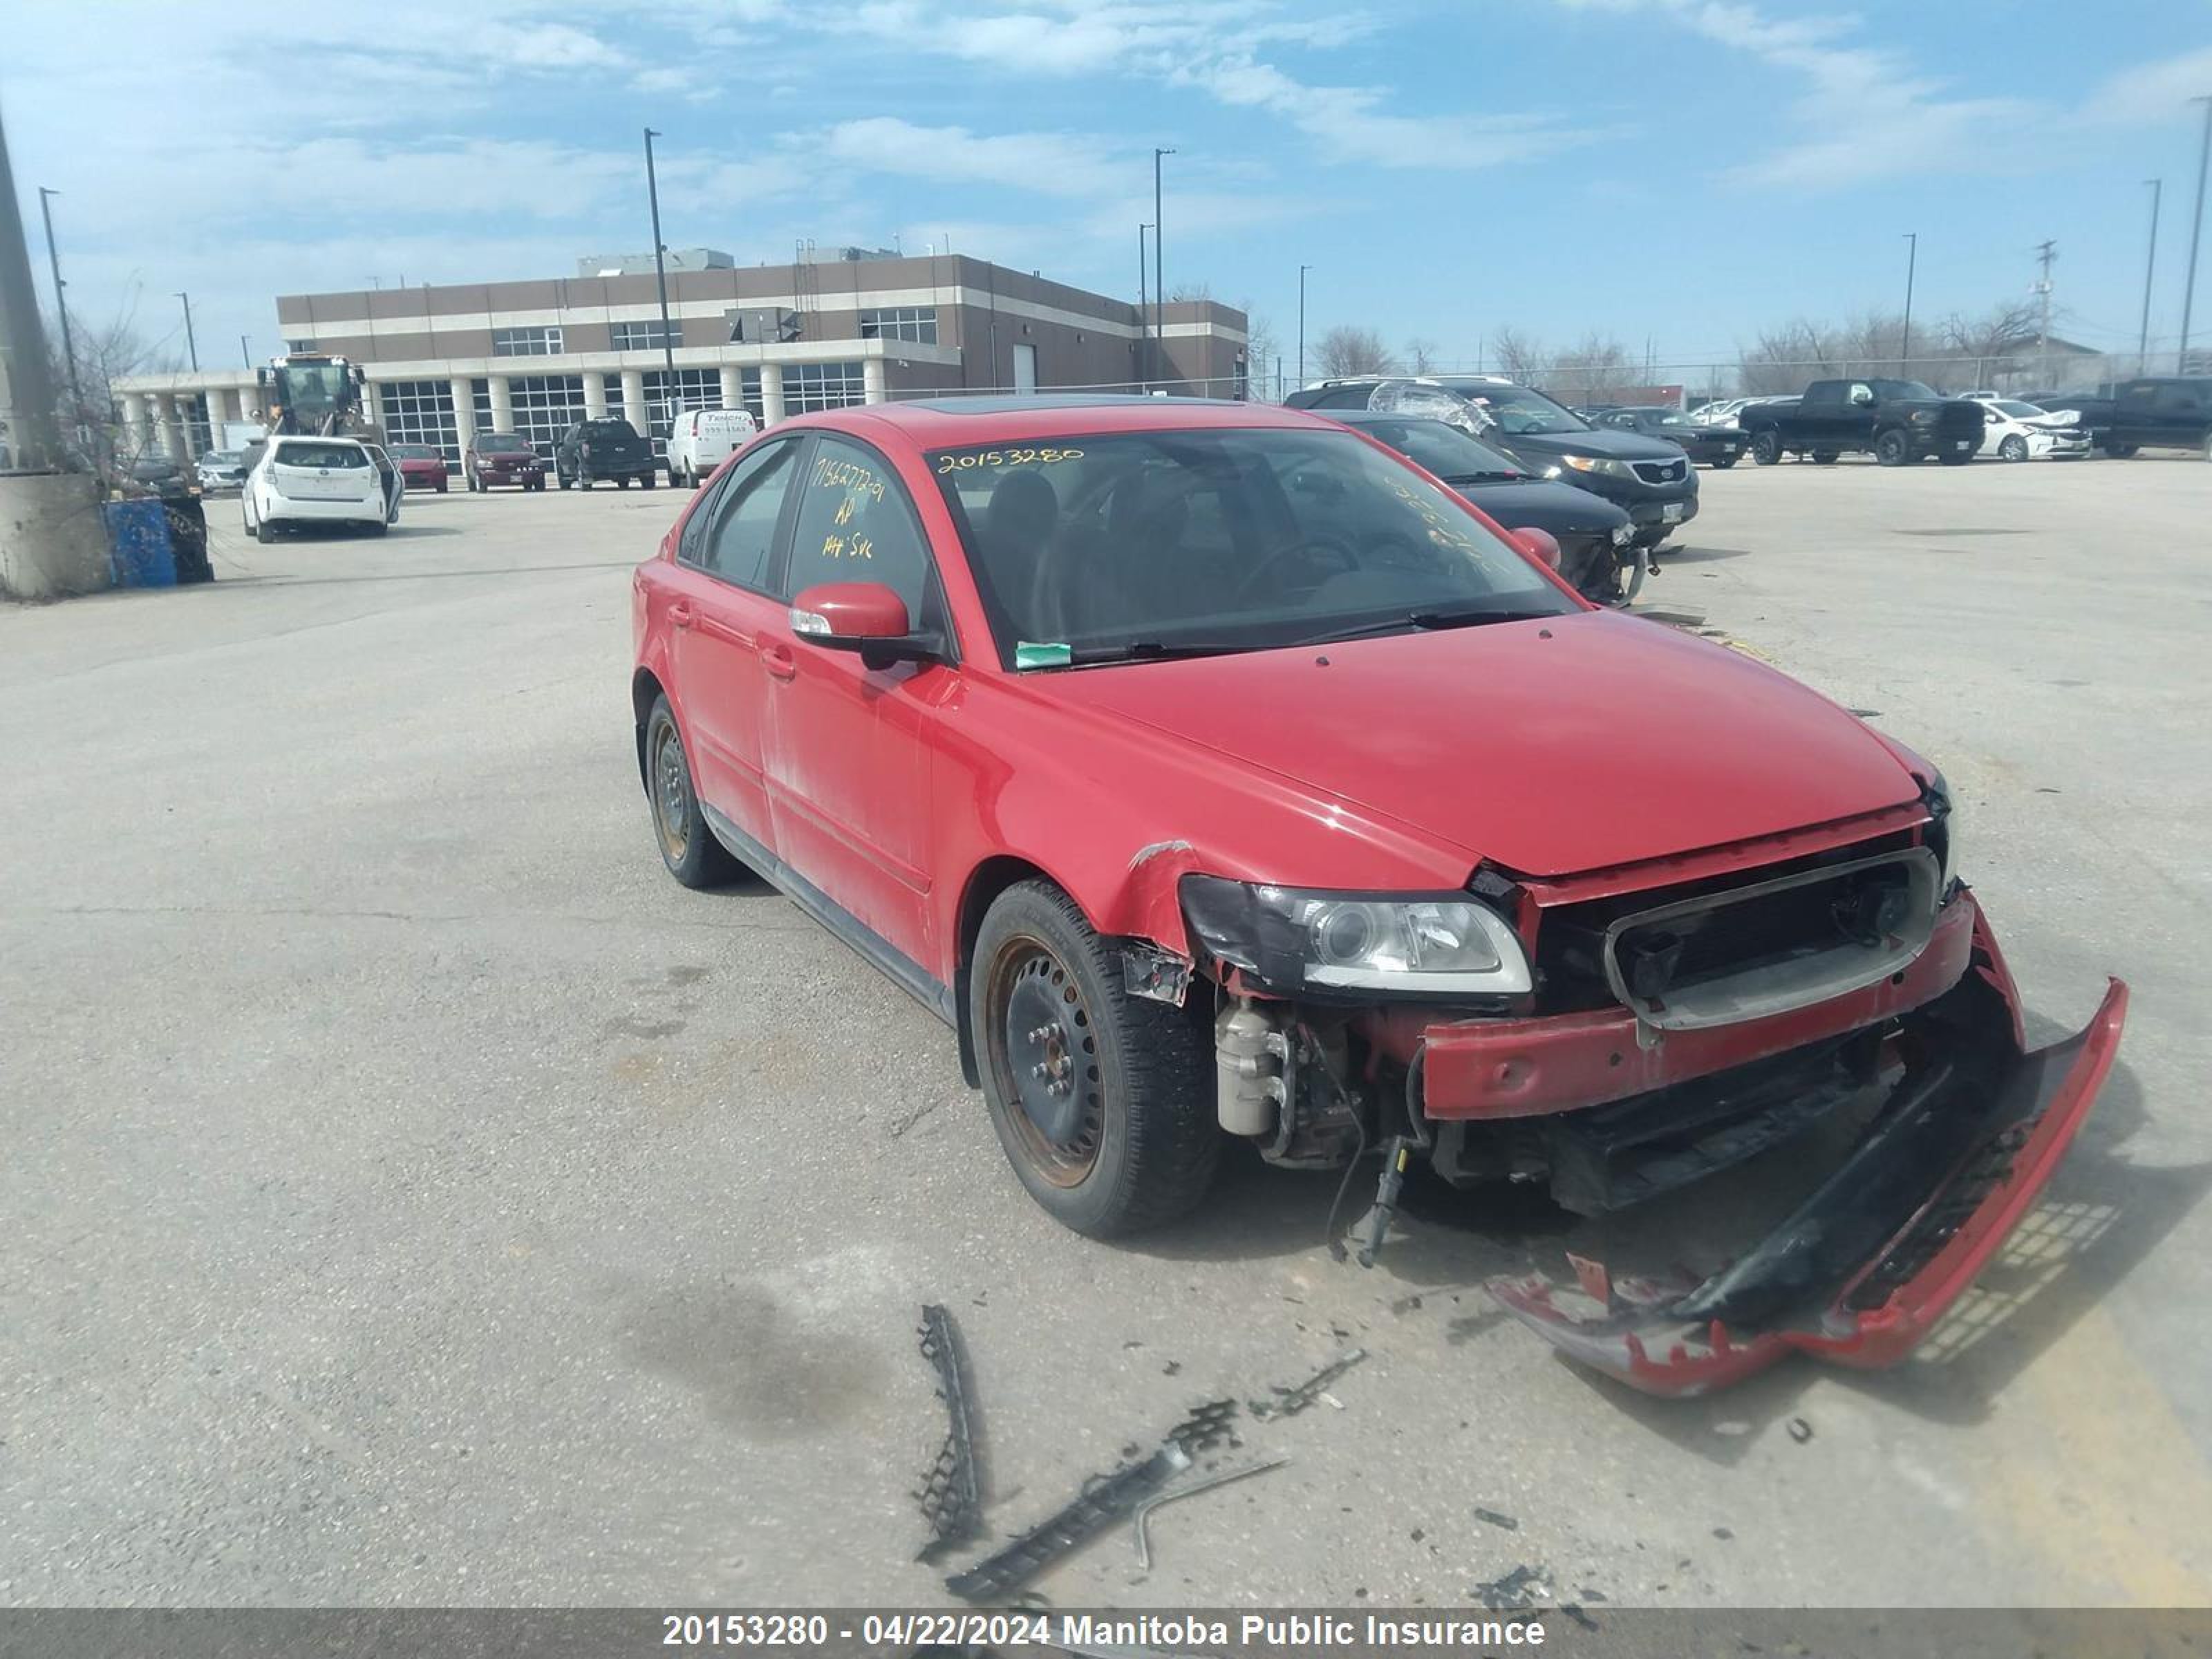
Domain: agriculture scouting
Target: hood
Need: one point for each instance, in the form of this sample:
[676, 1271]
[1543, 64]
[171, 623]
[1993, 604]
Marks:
[1550, 748]
[1611, 442]
[1539, 502]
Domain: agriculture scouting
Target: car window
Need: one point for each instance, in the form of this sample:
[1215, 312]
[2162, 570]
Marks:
[335, 456]
[1237, 539]
[740, 521]
[1343, 397]
[2174, 394]
[855, 523]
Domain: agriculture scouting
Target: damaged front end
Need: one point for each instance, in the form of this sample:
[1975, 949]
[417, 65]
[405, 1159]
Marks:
[1620, 1042]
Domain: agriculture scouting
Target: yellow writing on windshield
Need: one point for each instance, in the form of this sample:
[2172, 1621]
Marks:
[1004, 458]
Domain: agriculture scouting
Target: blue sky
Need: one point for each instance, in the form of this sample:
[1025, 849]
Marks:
[1684, 172]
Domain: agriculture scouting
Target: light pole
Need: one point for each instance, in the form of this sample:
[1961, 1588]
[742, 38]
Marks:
[61, 305]
[1301, 323]
[2150, 263]
[1159, 290]
[1905, 340]
[244, 351]
[192, 346]
[1144, 296]
[659, 272]
[2196, 234]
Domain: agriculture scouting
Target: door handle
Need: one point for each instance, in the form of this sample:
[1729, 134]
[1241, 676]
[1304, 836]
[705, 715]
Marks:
[679, 613]
[779, 662]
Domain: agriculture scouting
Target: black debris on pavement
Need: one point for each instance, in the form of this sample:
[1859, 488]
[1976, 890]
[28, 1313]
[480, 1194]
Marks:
[1495, 1519]
[1800, 1430]
[951, 1490]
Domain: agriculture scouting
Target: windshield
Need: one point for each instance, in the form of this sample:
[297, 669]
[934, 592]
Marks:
[1666, 417]
[414, 453]
[2018, 409]
[1519, 411]
[221, 457]
[1445, 450]
[503, 443]
[1889, 390]
[312, 390]
[1155, 543]
[322, 455]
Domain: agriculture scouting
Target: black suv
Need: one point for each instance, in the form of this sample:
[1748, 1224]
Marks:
[592, 450]
[1651, 481]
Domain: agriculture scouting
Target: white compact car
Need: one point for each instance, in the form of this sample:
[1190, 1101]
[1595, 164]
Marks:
[299, 481]
[2017, 431]
[701, 440]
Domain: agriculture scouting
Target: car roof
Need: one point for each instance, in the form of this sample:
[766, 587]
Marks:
[953, 422]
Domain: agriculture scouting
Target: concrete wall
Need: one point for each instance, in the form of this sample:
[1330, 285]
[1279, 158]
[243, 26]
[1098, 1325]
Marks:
[53, 545]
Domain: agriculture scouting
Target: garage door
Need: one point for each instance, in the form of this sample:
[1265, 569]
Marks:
[1026, 369]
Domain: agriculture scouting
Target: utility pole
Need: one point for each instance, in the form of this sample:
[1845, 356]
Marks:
[660, 277]
[2196, 235]
[22, 341]
[2045, 252]
[244, 351]
[1905, 335]
[1159, 288]
[192, 346]
[2150, 263]
[1301, 323]
[61, 303]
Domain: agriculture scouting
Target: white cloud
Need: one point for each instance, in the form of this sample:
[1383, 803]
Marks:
[1876, 117]
[1050, 163]
[2157, 91]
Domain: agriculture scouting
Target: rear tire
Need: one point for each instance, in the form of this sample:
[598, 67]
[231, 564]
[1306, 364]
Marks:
[375, 527]
[646, 480]
[1893, 448]
[1766, 447]
[1131, 1141]
[688, 846]
[2120, 452]
[264, 532]
[1722, 463]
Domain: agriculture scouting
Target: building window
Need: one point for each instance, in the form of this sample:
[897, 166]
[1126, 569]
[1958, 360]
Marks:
[299, 345]
[667, 395]
[810, 387]
[544, 406]
[526, 342]
[422, 412]
[915, 323]
[199, 431]
[646, 337]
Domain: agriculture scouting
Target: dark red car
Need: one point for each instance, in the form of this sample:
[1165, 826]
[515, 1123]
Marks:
[421, 466]
[1215, 772]
[502, 458]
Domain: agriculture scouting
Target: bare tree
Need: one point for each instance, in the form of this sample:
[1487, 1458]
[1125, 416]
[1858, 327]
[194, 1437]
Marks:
[1996, 339]
[105, 354]
[1421, 356]
[1348, 351]
[1261, 350]
[1519, 356]
[1191, 291]
[1596, 370]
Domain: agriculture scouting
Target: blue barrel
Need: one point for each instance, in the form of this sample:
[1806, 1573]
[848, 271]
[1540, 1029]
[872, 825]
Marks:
[139, 553]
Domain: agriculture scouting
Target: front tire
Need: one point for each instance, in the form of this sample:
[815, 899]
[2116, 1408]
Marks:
[1102, 1101]
[1893, 448]
[688, 847]
[1722, 463]
[1766, 447]
[2013, 448]
[2120, 452]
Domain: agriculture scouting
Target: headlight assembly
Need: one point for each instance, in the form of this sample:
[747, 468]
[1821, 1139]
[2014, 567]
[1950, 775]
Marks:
[1599, 464]
[1293, 939]
[1944, 827]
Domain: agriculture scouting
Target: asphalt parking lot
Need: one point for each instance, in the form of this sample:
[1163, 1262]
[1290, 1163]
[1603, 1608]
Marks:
[414, 1196]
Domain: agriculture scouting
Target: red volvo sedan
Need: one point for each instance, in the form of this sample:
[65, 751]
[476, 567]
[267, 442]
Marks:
[1216, 772]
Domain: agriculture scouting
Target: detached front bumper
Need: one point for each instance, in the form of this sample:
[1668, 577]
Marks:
[1867, 1265]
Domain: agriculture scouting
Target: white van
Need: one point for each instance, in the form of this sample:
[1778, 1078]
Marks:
[320, 481]
[701, 439]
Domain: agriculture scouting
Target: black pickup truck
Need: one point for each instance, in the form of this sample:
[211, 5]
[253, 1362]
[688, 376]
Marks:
[590, 450]
[1898, 421]
[2171, 411]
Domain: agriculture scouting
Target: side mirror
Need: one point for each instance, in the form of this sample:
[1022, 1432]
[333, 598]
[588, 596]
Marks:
[863, 616]
[1539, 544]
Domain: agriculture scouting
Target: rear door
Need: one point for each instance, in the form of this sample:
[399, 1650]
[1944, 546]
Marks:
[322, 469]
[849, 746]
[388, 475]
[721, 602]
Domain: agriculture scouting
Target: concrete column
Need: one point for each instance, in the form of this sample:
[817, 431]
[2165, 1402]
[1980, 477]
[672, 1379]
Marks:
[135, 405]
[733, 388]
[371, 404]
[872, 379]
[464, 414]
[502, 404]
[218, 410]
[771, 394]
[634, 401]
[170, 426]
[595, 395]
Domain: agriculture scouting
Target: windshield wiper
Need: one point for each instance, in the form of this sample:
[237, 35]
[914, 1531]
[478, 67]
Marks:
[1156, 650]
[1428, 622]
[1486, 477]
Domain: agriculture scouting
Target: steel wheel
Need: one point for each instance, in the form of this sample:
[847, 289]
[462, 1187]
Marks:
[1045, 1053]
[671, 789]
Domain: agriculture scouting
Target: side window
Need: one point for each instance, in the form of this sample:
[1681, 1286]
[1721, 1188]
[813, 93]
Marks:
[1345, 396]
[2175, 395]
[739, 523]
[856, 524]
